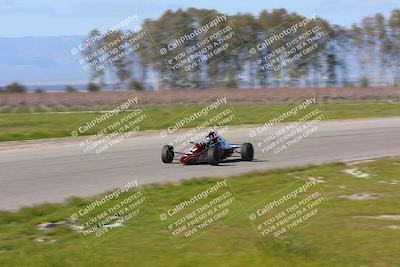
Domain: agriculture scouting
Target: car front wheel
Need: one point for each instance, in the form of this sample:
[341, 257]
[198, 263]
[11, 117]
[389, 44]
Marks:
[167, 154]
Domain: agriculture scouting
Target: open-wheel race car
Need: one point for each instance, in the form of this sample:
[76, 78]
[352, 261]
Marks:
[212, 150]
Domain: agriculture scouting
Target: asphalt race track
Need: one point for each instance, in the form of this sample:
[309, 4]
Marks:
[52, 170]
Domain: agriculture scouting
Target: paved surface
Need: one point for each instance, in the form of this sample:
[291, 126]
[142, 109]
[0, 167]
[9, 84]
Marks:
[51, 171]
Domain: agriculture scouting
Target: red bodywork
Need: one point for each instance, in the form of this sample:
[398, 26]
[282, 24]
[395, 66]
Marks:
[198, 154]
[195, 152]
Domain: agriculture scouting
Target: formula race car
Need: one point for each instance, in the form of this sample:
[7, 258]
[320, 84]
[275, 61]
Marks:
[212, 150]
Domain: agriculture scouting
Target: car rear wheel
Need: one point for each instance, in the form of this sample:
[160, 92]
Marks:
[167, 154]
[213, 155]
[247, 152]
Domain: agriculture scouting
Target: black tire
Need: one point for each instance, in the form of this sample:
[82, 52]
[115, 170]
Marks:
[167, 154]
[213, 155]
[247, 152]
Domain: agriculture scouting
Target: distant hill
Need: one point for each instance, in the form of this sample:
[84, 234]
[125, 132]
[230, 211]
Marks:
[40, 59]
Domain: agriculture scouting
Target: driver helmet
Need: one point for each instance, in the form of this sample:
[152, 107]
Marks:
[212, 136]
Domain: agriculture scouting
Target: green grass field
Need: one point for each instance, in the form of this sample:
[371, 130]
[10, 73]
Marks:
[342, 233]
[26, 126]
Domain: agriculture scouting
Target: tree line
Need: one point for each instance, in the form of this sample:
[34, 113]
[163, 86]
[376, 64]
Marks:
[367, 53]
[16, 87]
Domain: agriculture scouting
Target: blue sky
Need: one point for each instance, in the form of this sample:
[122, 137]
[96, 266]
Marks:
[77, 17]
